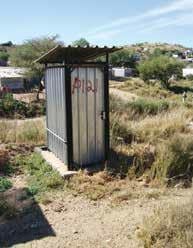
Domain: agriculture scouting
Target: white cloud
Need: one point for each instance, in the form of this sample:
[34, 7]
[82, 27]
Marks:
[105, 35]
[178, 21]
[174, 7]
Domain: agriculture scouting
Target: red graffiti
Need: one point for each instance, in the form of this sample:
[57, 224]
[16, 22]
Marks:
[84, 86]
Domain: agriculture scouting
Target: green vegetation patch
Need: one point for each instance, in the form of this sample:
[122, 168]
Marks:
[5, 184]
[143, 106]
[40, 176]
[11, 108]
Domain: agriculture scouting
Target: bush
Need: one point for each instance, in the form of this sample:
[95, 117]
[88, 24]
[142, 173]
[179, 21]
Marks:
[161, 68]
[148, 107]
[190, 77]
[11, 108]
[41, 177]
[174, 158]
[171, 226]
[138, 107]
[4, 184]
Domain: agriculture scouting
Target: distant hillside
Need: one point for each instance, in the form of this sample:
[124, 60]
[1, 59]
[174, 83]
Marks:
[146, 49]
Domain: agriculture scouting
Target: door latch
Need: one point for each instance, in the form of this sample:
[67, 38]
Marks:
[103, 115]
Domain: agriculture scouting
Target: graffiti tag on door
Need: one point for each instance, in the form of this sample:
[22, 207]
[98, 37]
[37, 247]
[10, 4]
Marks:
[84, 85]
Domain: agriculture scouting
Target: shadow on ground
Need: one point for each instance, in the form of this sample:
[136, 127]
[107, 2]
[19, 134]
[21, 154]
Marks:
[28, 223]
[119, 163]
[180, 89]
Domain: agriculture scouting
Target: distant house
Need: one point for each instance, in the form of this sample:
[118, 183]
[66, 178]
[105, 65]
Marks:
[175, 56]
[187, 72]
[120, 72]
[12, 78]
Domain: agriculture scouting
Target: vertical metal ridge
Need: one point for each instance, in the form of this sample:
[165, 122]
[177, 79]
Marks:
[95, 117]
[78, 117]
[56, 114]
[106, 99]
[87, 124]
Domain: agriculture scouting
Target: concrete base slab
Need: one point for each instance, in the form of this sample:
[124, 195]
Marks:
[55, 162]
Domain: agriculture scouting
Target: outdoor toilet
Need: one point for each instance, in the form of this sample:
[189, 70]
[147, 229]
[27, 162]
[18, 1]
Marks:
[77, 93]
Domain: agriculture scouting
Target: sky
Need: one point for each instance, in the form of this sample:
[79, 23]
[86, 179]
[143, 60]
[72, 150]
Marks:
[110, 22]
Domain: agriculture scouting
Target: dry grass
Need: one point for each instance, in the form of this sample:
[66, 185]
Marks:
[144, 144]
[4, 158]
[23, 132]
[170, 227]
[103, 186]
[162, 126]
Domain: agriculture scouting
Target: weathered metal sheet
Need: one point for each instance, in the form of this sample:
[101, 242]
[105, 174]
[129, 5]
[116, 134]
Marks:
[56, 112]
[87, 105]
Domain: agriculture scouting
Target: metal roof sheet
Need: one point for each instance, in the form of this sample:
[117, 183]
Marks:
[61, 54]
[11, 72]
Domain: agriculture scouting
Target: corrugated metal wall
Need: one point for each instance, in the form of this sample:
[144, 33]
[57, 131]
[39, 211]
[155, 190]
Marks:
[87, 104]
[56, 112]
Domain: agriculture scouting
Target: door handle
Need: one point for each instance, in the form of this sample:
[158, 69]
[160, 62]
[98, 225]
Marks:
[103, 115]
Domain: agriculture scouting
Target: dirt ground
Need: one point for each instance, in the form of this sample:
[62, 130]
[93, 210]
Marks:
[71, 221]
[75, 221]
[28, 97]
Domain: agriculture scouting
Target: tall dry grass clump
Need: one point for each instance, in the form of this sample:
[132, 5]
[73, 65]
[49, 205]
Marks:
[171, 226]
[162, 126]
[23, 131]
[174, 159]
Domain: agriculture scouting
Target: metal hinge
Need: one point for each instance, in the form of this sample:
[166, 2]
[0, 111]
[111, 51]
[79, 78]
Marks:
[103, 115]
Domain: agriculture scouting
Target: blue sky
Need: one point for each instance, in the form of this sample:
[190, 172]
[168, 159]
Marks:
[101, 22]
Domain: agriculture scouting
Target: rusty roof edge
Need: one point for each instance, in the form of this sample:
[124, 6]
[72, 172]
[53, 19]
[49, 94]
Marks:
[53, 50]
[46, 54]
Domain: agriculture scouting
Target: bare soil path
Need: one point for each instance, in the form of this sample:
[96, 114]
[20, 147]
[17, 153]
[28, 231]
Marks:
[124, 95]
[79, 222]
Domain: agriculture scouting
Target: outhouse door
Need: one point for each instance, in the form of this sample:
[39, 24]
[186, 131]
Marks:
[88, 115]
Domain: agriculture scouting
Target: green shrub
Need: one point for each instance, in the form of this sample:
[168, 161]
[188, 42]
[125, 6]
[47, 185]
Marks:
[161, 68]
[4, 184]
[10, 108]
[148, 107]
[41, 177]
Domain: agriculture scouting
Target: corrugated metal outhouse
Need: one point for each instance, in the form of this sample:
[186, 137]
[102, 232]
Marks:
[77, 104]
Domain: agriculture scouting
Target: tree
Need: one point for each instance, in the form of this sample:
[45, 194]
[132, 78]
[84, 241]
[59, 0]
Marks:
[24, 56]
[7, 44]
[81, 42]
[157, 52]
[161, 68]
[4, 56]
[123, 57]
